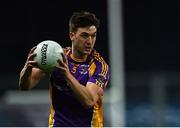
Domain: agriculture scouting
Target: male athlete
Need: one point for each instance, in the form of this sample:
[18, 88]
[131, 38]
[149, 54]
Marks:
[78, 82]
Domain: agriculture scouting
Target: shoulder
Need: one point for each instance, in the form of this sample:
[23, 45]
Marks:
[99, 62]
[99, 70]
[98, 58]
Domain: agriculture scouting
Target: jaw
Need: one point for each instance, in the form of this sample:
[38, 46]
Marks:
[87, 51]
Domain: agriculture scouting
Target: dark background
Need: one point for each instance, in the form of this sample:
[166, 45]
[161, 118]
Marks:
[152, 64]
[23, 25]
[151, 47]
[152, 35]
[151, 31]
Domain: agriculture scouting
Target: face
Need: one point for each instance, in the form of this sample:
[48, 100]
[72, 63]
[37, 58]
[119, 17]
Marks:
[83, 40]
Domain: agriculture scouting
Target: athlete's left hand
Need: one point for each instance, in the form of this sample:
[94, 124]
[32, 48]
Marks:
[63, 65]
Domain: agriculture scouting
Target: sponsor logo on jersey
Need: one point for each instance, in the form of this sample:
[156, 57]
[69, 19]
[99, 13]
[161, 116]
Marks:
[101, 78]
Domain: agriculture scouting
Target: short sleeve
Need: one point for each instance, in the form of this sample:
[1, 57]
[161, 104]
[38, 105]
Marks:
[99, 73]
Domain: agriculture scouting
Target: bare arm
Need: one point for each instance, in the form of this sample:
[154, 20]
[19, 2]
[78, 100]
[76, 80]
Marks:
[88, 95]
[30, 75]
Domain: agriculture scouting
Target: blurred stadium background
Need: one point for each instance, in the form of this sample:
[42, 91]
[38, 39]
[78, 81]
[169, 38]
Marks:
[148, 94]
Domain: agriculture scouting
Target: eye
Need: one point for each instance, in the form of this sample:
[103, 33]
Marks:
[85, 36]
[93, 36]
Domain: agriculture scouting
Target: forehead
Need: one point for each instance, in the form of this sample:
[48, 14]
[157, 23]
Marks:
[89, 29]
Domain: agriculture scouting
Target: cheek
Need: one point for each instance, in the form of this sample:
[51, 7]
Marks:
[94, 41]
[78, 44]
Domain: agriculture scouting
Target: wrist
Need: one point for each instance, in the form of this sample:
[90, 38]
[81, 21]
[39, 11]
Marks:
[70, 78]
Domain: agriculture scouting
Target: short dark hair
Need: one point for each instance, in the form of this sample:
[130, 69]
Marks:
[82, 19]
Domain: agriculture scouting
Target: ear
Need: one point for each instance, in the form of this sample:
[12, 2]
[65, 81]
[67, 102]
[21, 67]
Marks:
[72, 36]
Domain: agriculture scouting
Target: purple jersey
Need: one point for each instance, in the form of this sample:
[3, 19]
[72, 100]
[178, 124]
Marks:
[66, 110]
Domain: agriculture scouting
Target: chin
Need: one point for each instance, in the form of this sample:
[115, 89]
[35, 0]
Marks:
[87, 52]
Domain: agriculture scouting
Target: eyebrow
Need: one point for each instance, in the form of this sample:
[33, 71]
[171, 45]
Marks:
[88, 33]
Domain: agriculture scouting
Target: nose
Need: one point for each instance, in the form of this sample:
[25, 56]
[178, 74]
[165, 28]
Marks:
[89, 40]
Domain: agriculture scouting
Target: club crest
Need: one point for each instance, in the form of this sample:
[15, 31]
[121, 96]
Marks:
[84, 69]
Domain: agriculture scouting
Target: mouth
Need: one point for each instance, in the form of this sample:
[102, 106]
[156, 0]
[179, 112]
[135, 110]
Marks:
[88, 49]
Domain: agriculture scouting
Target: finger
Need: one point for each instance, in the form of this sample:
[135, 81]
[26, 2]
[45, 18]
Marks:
[32, 50]
[64, 57]
[33, 63]
[61, 66]
[60, 63]
[64, 50]
[30, 66]
[31, 56]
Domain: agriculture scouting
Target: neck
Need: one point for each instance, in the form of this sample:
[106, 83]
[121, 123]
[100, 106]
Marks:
[78, 56]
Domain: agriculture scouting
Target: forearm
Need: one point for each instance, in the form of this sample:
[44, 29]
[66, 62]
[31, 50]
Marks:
[88, 95]
[83, 94]
[25, 79]
[29, 77]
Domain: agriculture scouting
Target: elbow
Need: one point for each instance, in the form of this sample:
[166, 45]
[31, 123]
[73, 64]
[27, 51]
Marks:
[89, 104]
[23, 87]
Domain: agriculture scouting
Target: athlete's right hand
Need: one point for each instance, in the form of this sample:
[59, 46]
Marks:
[30, 63]
[30, 75]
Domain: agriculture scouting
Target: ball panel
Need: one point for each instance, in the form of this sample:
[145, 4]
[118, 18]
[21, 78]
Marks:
[47, 54]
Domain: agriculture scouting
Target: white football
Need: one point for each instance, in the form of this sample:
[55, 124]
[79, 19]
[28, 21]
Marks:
[47, 54]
